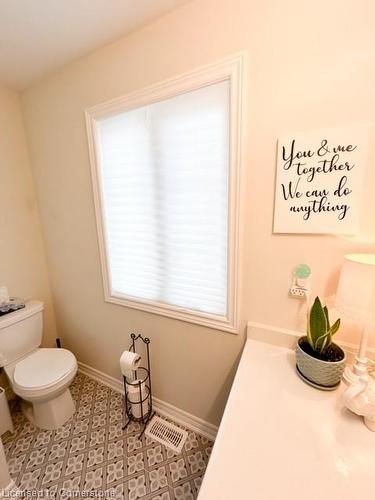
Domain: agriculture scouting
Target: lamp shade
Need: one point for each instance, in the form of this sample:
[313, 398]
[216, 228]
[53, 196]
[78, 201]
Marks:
[355, 297]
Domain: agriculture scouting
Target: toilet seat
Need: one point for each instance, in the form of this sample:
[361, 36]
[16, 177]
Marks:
[43, 370]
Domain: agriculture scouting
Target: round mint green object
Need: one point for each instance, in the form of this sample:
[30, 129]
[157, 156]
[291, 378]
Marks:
[303, 271]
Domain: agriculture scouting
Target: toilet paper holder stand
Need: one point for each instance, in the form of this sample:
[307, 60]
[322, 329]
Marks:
[139, 408]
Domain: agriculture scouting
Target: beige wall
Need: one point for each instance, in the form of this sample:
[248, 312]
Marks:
[22, 256]
[311, 64]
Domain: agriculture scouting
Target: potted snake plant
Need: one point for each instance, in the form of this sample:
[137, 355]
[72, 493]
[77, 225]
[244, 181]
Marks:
[320, 362]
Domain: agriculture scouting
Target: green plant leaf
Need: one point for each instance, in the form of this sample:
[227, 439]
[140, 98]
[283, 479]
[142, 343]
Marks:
[322, 342]
[308, 333]
[325, 309]
[319, 330]
[318, 322]
[335, 327]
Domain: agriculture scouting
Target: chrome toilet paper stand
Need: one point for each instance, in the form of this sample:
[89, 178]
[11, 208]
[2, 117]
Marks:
[142, 378]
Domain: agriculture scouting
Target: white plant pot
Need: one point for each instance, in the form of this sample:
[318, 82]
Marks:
[326, 374]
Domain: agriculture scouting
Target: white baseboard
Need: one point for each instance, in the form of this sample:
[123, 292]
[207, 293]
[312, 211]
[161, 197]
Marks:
[182, 417]
[101, 377]
[186, 419]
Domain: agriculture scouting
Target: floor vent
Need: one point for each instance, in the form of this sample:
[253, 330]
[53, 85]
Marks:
[166, 433]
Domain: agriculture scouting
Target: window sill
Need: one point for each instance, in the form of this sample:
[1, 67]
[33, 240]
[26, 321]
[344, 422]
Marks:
[198, 318]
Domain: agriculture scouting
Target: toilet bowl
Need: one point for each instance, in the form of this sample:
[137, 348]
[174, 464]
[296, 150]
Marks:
[40, 376]
[42, 380]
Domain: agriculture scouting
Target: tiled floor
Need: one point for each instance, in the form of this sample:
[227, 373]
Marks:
[91, 453]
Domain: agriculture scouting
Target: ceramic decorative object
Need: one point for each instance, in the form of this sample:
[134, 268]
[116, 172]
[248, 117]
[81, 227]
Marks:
[320, 362]
[360, 399]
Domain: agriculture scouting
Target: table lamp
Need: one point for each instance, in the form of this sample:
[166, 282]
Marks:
[355, 298]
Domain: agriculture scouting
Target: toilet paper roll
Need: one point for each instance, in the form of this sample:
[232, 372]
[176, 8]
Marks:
[134, 397]
[136, 409]
[133, 391]
[129, 361]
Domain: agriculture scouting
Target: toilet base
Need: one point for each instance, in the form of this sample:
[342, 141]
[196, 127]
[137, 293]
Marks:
[50, 414]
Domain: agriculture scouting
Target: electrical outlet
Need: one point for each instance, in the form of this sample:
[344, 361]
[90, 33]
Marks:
[301, 284]
[297, 292]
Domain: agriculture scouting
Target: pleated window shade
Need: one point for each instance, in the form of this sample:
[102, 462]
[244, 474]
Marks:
[164, 174]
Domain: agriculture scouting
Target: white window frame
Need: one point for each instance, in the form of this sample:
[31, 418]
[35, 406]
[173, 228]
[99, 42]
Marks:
[229, 69]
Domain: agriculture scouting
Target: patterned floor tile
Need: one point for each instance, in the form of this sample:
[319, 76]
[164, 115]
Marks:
[135, 463]
[162, 496]
[196, 462]
[178, 470]
[116, 492]
[184, 492]
[158, 479]
[74, 464]
[137, 487]
[115, 471]
[95, 456]
[94, 479]
[91, 452]
[154, 455]
[115, 449]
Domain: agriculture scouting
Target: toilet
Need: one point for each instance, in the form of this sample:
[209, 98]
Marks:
[40, 376]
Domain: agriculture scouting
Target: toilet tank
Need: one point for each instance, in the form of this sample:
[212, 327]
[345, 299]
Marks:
[20, 332]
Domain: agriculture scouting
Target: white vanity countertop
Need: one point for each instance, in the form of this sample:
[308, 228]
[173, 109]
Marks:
[281, 439]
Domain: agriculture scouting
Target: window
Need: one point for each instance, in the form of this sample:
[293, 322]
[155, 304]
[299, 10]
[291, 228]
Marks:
[165, 187]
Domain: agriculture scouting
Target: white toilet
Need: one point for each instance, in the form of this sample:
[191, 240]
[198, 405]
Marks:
[41, 377]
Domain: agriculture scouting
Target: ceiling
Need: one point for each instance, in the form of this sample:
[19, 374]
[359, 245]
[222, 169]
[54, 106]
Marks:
[39, 36]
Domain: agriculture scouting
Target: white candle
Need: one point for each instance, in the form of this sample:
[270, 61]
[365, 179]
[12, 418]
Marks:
[4, 295]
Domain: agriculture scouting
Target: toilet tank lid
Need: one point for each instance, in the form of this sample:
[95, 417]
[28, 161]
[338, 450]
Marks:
[31, 307]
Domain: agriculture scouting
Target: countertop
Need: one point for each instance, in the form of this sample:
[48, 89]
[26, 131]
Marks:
[281, 439]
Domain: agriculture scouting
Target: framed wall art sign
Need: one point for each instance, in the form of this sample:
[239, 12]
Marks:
[319, 180]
